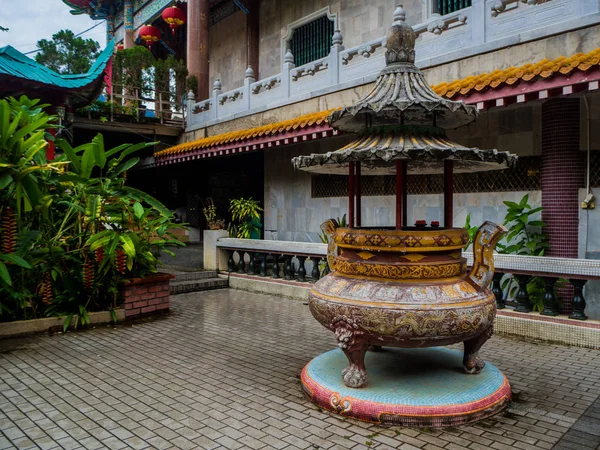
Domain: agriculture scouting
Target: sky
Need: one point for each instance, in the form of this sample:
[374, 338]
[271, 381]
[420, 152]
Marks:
[29, 21]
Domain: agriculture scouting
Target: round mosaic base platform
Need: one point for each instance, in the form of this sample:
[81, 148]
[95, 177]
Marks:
[412, 387]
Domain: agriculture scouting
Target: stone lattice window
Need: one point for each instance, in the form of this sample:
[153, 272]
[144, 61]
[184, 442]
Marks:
[312, 40]
[444, 7]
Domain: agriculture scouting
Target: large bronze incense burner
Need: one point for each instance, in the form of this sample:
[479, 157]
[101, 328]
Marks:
[409, 286]
[406, 288]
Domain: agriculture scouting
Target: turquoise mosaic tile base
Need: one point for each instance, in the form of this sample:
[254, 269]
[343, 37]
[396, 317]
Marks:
[425, 386]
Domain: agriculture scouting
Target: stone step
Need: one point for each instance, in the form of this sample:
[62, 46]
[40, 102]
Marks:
[180, 287]
[181, 275]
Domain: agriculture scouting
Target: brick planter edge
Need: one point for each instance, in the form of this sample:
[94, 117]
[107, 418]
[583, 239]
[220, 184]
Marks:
[142, 296]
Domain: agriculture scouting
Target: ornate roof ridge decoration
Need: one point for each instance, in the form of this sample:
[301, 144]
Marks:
[528, 72]
[422, 146]
[96, 9]
[401, 93]
[304, 121]
[15, 64]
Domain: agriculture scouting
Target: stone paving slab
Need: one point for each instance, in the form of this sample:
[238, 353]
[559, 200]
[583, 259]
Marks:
[221, 372]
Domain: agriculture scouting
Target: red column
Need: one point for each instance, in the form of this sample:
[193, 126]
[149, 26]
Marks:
[563, 173]
[358, 202]
[448, 193]
[50, 147]
[197, 43]
[351, 190]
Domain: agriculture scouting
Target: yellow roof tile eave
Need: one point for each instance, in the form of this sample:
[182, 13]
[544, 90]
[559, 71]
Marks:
[241, 135]
[527, 72]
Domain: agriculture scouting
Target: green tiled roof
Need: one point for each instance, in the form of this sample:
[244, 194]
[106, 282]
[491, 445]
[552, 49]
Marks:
[15, 64]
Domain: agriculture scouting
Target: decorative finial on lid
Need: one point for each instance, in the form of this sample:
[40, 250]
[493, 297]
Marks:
[399, 14]
[400, 40]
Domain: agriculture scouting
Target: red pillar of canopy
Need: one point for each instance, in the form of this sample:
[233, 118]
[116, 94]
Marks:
[351, 190]
[401, 194]
[448, 192]
[358, 202]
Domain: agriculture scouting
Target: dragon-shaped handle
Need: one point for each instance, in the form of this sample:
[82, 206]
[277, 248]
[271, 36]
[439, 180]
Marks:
[485, 241]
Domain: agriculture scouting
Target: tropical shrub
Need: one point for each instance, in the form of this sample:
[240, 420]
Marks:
[245, 214]
[71, 229]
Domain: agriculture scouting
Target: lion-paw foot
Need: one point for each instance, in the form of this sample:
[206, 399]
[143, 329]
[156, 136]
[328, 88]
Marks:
[473, 364]
[354, 377]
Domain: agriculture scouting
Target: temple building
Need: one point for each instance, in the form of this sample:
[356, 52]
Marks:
[270, 72]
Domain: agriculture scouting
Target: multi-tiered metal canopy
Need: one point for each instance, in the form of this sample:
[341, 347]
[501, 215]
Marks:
[402, 127]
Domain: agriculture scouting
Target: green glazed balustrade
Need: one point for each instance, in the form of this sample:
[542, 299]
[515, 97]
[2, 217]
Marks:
[312, 41]
[447, 6]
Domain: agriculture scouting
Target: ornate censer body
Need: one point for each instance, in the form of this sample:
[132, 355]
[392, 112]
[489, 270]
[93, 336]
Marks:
[406, 288]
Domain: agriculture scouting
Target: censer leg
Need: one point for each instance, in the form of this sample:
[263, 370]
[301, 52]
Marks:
[472, 363]
[355, 374]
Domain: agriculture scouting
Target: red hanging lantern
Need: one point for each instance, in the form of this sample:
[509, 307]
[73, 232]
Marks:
[149, 34]
[174, 17]
[120, 47]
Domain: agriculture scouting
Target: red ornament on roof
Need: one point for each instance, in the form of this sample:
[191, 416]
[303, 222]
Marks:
[149, 34]
[174, 17]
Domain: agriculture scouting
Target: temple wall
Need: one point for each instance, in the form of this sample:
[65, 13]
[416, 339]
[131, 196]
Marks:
[359, 22]
[227, 52]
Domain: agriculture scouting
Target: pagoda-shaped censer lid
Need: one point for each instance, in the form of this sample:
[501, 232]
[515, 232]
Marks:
[402, 118]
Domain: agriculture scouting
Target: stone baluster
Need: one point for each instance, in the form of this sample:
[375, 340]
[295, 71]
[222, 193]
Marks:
[230, 261]
[578, 300]
[549, 299]
[497, 290]
[288, 270]
[301, 268]
[286, 74]
[263, 264]
[522, 294]
[248, 80]
[275, 268]
[241, 262]
[315, 273]
[191, 99]
[217, 89]
[251, 264]
[334, 59]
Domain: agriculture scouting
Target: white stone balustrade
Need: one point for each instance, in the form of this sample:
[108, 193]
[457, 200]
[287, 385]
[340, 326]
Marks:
[485, 26]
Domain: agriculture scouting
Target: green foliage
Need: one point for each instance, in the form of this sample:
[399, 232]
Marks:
[80, 228]
[210, 213]
[524, 233]
[245, 214]
[525, 237]
[67, 54]
[471, 230]
[191, 84]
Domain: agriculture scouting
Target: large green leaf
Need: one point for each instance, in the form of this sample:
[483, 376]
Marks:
[4, 275]
[14, 259]
[126, 165]
[5, 180]
[88, 160]
[31, 188]
[71, 155]
[141, 196]
[138, 210]
[128, 246]
[99, 150]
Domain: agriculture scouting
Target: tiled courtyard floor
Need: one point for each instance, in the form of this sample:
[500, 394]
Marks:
[222, 371]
